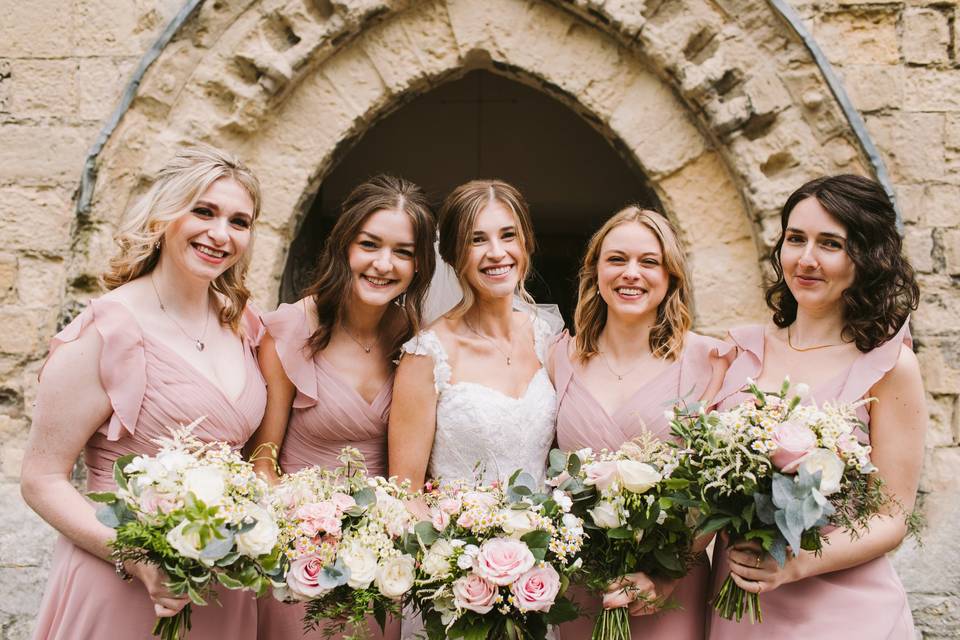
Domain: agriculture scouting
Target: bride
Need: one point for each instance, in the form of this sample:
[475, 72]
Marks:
[474, 400]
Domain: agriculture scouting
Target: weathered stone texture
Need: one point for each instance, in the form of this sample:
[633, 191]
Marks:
[716, 101]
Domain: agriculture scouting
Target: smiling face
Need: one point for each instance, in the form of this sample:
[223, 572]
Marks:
[496, 257]
[214, 235]
[381, 257]
[814, 258]
[631, 275]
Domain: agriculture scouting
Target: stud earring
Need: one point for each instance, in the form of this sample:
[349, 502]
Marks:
[156, 245]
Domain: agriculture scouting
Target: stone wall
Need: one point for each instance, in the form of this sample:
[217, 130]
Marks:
[738, 133]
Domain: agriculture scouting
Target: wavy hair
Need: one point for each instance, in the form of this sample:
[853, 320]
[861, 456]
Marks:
[674, 316]
[333, 278]
[177, 187]
[884, 289]
[458, 215]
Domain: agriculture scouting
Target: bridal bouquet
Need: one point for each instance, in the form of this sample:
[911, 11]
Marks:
[198, 511]
[777, 471]
[342, 533]
[635, 512]
[494, 561]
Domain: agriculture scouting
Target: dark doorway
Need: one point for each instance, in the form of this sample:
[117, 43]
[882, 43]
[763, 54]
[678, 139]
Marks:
[487, 126]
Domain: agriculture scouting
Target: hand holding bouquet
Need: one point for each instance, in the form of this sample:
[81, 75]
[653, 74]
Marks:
[198, 511]
[341, 533]
[777, 471]
[494, 561]
[635, 513]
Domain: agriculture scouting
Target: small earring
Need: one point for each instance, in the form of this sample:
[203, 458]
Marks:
[401, 299]
[156, 245]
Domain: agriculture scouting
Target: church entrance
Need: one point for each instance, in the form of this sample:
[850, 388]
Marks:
[487, 126]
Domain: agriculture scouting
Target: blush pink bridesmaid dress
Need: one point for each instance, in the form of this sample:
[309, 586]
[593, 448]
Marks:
[328, 414]
[151, 389]
[866, 602]
[583, 422]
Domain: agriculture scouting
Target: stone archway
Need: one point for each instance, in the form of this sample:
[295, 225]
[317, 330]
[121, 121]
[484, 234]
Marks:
[722, 133]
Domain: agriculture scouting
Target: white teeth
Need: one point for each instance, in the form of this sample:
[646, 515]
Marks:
[629, 292]
[496, 271]
[377, 281]
[210, 252]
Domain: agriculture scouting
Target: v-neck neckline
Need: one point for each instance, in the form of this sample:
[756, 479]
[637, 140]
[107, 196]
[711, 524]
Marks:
[205, 377]
[612, 416]
[842, 374]
[331, 370]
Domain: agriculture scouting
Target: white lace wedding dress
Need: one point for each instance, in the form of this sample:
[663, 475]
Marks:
[484, 431]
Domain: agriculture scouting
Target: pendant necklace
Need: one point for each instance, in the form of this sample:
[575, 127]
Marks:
[197, 342]
[366, 348]
[506, 354]
[813, 348]
[619, 376]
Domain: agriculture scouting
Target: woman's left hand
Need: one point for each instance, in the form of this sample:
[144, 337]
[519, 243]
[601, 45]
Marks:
[756, 571]
[641, 594]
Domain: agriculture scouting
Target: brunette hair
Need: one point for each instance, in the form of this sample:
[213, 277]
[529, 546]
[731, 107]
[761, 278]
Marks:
[458, 215]
[884, 288]
[332, 281]
[674, 317]
[178, 186]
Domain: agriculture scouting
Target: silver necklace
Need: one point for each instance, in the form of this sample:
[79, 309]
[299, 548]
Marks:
[506, 354]
[366, 348]
[197, 342]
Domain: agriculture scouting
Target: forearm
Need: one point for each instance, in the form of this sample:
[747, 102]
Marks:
[841, 551]
[55, 500]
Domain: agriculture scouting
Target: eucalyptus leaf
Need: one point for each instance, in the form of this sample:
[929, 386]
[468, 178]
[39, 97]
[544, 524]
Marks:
[558, 461]
[536, 539]
[365, 497]
[620, 533]
[108, 517]
[765, 508]
[426, 532]
[228, 582]
[785, 530]
[778, 549]
[218, 547]
[811, 511]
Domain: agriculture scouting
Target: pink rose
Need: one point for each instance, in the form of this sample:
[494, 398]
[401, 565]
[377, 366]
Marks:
[303, 578]
[450, 505]
[342, 502]
[536, 589]
[318, 516]
[793, 440]
[503, 560]
[601, 474]
[440, 519]
[466, 519]
[474, 593]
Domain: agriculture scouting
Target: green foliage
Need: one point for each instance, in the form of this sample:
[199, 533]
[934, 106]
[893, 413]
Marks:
[344, 611]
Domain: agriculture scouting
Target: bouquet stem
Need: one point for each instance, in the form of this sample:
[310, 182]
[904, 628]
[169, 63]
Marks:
[175, 627]
[732, 602]
[612, 624]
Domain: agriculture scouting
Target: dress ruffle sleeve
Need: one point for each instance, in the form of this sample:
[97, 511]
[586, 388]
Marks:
[696, 369]
[123, 365]
[870, 367]
[748, 342]
[289, 329]
[252, 325]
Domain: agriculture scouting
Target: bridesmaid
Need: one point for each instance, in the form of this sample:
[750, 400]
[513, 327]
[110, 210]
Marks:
[633, 356]
[173, 340]
[329, 358]
[840, 305]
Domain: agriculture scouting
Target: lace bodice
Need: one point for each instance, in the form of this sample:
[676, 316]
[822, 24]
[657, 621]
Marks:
[477, 425]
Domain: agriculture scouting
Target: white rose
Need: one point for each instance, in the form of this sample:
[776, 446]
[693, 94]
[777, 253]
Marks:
[395, 576]
[563, 500]
[261, 539]
[187, 545]
[174, 461]
[830, 466]
[637, 477]
[573, 524]
[606, 515]
[518, 522]
[206, 483]
[437, 561]
[361, 562]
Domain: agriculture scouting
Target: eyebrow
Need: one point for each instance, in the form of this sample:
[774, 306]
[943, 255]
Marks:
[511, 227]
[213, 205]
[377, 238]
[825, 233]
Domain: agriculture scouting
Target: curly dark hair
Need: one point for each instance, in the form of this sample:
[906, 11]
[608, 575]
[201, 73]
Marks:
[884, 289]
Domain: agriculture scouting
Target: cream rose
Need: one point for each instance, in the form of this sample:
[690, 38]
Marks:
[502, 560]
[474, 593]
[828, 464]
[605, 515]
[395, 576]
[601, 474]
[436, 562]
[519, 522]
[261, 539]
[536, 589]
[208, 484]
[186, 544]
[793, 439]
[637, 477]
[361, 564]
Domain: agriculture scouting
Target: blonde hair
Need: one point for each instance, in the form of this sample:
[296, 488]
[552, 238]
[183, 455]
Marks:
[674, 317]
[175, 191]
[458, 215]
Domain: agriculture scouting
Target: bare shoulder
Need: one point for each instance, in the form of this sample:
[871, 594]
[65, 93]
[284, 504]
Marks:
[905, 374]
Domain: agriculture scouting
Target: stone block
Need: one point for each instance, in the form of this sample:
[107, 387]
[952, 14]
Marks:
[942, 430]
[939, 306]
[357, 79]
[101, 81]
[766, 93]
[41, 154]
[729, 296]
[913, 144]
[859, 37]
[25, 331]
[940, 364]
[35, 220]
[918, 244]
[931, 90]
[43, 88]
[873, 87]
[655, 126]
[931, 204]
[940, 470]
[35, 29]
[950, 241]
[40, 282]
[14, 433]
[926, 36]
[27, 546]
[113, 27]
[8, 278]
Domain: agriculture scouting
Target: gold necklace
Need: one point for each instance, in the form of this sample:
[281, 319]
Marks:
[813, 348]
[603, 356]
[366, 348]
[507, 355]
[197, 342]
